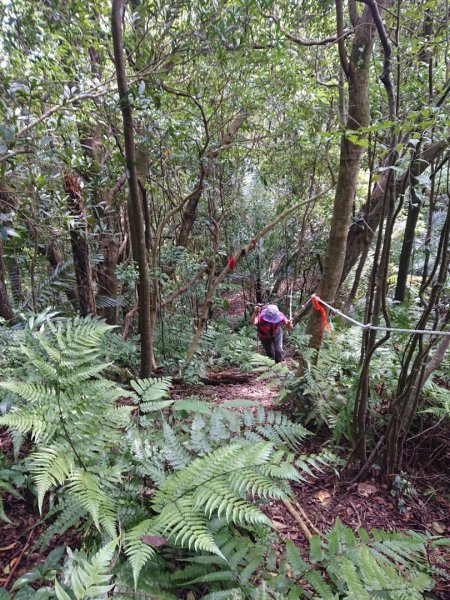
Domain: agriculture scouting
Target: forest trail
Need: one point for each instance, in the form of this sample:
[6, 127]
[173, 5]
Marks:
[223, 386]
[322, 499]
[328, 496]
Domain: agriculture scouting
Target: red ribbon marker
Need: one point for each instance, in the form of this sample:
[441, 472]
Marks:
[323, 315]
[231, 263]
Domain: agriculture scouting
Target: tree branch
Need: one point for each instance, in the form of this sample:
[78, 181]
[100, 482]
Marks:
[303, 41]
[340, 38]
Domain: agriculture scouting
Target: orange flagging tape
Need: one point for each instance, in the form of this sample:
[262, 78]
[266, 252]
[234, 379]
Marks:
[323, 315]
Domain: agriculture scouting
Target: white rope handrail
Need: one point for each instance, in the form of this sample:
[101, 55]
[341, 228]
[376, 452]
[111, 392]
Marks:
[376, 327]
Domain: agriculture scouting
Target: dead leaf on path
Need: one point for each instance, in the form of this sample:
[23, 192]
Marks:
[438, 527]
[10, 547]
[279, 525]
[366, 489]
[380, 500]
[154, 540]
[322, 496]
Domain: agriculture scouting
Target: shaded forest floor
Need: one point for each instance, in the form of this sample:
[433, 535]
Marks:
[368, 504]
[425, 509]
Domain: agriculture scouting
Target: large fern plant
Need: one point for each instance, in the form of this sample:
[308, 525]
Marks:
[69, 411]
[365, 566]
[103, 458]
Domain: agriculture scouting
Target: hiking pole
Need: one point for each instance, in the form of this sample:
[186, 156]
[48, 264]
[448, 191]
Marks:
[290, 306]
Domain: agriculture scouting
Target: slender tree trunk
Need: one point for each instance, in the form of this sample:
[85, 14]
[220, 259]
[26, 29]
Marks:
[190, 210]
[6, 311]
[135, 212]
[357, 71]
[415, 198]
[404, 264]
[106, 277]
[415, 367]
[189, 217]
[15, 279]
[361, 234]
[80, 246]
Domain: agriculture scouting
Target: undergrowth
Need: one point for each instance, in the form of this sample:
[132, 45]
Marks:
[169, 494]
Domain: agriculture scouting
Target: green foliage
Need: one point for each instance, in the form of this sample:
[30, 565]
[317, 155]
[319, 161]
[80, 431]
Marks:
[71, 415]
[41, 574]
[439, 398]
[87, 577]
[187, 475]
[363, 566]
[208, 462]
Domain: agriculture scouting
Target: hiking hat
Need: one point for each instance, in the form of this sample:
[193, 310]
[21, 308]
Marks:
[271, 314]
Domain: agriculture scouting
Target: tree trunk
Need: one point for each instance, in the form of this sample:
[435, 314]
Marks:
[357, 71]
[106, 277]
[190, 211]
[408, 241]
[15, 279]
[361, 234]
[415, 367]
[135, 212]
[80, 246]
[189, 217]
[6, 311]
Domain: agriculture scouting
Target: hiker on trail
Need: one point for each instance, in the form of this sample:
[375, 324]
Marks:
[270, 322]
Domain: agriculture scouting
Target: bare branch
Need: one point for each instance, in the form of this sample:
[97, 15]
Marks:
[340, 39]
[303, 41]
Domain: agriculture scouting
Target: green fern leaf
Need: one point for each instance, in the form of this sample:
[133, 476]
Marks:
[215, 496]
[186, 527]
[50, 466]
[321, 586]
[90, 577]
[295, 560]
[256, 484]
[356, 588]
[138, 551]
[174, 452]
[89, 494]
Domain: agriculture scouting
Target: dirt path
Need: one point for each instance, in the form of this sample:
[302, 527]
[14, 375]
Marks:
[237, 387]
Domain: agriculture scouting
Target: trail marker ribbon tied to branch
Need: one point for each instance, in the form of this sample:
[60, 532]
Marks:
[319, 304]
[323, 315]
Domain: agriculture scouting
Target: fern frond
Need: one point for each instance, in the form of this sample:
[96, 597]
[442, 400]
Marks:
[45, 368]
[70, 512]
[199, 435]
[93, 499]
[219, 463]
[152, 389]
[321, 586]
[50, 466]
[138, 552]
[82, 374]
[40, 423]
[216, 496]
[32, 392]
[356, 587]
[295, 560]
[90, 577]
[174, 452]
[186, 526]
[252, 482]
